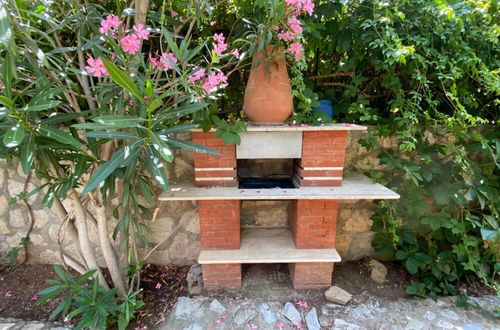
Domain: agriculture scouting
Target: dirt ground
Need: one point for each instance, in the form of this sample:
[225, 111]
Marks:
[164, 284]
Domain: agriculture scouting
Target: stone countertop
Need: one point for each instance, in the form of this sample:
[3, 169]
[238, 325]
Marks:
[295, 128]
[354, 187]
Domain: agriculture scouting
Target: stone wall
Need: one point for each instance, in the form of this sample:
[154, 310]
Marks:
[176, 229]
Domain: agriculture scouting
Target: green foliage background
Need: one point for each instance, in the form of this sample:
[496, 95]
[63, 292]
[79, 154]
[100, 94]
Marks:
[427, 73]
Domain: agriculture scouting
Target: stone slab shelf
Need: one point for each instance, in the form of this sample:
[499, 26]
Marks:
[354, 187]
[266, 245]
[293, 128]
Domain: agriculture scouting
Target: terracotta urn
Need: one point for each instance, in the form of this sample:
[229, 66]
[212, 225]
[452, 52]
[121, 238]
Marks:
[268, 95]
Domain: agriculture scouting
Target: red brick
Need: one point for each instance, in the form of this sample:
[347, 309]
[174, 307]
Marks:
[219, 224]
[223, 276]
[311, 275]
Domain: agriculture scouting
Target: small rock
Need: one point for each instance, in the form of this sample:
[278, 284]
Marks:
[337, 295]
[33, 326]
[312, 320]
[5, 326]
[194, 279]
[362, 312]
[244, 315]
[415, 325]
[379, 271]
[217, 307]
[445, 324]
[430, 315]
[267, 314]
[471, 327]
[185, 306]
[341, 324]
[193, 327]
[291, 313]
[448, 313]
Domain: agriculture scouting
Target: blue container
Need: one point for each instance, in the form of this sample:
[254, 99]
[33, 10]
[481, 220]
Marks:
[326, 107]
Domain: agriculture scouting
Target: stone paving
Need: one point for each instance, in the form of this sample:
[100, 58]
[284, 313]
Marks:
[13, 324]
[199, 313]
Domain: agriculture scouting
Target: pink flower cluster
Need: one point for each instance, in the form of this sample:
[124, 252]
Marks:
[220, 46]
[213, 81]
[301, 6]
[132, 43]
[196, 76]
[96, 67]
[111, 23]
[296, 49]
[164, 62]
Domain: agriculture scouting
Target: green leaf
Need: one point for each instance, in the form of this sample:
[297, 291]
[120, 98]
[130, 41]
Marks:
[122, 79]
[120, 158]
[14, 136]
[401, 255]
[119, 120]
[161, 147]
[5, 30]
[179, 112]
[27, 154]
[8, 74]
[188, 145]
[110, 135]
[178, 129]
[7, 102]
[155, 167]
[411, 265]
[41, 105]
[59, 136]
[58, 117]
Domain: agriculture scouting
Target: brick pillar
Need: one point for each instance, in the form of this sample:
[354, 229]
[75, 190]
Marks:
[322, 161]
[219, 224]
[311, 275]
[313, 223]
[221, 276]
[214, 170]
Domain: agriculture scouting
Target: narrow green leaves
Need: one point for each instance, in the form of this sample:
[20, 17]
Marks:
[28, 154]
[183, 144]
[111, 122]
[121, 157]
[7, 102]
[122, 79]
[5, 29]
[110, 135]
[161, 147]
[41, 105]
[59, 136]
[155, 167]
[14, 136]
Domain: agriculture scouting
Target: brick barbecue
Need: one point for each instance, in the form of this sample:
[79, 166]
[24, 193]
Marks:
[308, 245]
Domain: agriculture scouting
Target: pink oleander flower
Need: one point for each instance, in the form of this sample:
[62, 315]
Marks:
[299, 325]
[287, 35]
[96, 67]
[167, 61]
[141, 32]
[279, 325]
[109, 24]
[8, 294]
[35, 297]
[296, 49]
[196, 76]
[130, 44]
[235, 53]
[294, 24]
[173, 13]
[253, 327]
[276, 28]
[214, 80]
[301, 303]
[158, 286]
[301, 6]
[153, 60]
[219, 38]
[221, 45]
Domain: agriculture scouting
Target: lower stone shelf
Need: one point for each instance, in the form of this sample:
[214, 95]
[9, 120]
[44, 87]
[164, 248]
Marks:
[266, 245]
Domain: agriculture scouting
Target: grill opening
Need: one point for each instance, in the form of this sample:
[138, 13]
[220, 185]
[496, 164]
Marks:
[265, 173]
